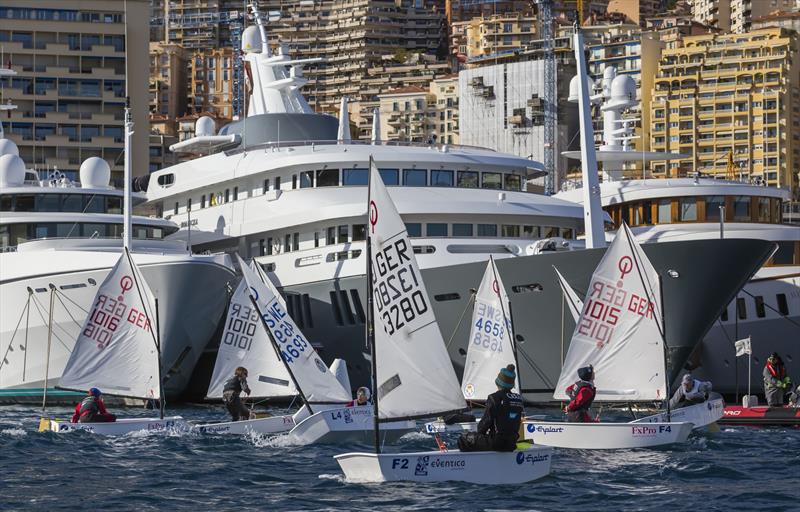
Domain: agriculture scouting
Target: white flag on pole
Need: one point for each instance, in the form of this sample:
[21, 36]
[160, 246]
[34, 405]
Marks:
[743, 347]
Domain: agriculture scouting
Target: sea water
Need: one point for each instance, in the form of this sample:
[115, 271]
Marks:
[738, 468]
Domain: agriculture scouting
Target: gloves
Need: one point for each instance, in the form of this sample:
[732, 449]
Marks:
[787, 381]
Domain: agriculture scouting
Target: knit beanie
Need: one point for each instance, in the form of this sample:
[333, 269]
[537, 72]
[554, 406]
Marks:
[507, 378]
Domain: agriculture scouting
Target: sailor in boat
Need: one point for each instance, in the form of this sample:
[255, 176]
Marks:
[776, 382]
[363, 396]
[581, 396]
[231, 394]
[794, 397]
[499, 427]
[92, 410]
[690, 392]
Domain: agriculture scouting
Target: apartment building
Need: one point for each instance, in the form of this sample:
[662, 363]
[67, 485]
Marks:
[421, 115]
[744, 11]
[492, 34]
[168, 74]
[714, 13]
[788, 20]
[730, 96]
[71, 58]
[636, 10]
[209, 87]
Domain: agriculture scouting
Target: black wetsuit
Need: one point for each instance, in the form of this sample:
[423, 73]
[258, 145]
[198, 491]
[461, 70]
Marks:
[498, 429]
[230, 395]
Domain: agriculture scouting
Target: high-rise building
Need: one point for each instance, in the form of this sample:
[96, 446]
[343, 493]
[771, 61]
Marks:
[743, 11]
[73, 58]
[210, 82]
[714, 13]
[168, 70]
[788, 20]
[492, 34]
[636, 10]
[422, 115]
[730, 102]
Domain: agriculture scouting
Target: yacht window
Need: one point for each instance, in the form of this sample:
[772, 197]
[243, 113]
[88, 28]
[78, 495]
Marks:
[713, 204]
[647, 213]
[436, 229]
[487, 229]
[783, 306]
[227, 195]
[328, 178]
[509, 231]
[530, 232]
[688, 209]
[785, 254]
[567, 233]
[763, 209]
[269, 246]
[343, 233]
[492, 180]
[513, 181]
[95, 230]
[6, 201]
[390, 176]
[114, 230]
[462, 230]
[664, 211]
[166, 180]
[549, 231]
[307, 179]
[176, 207]
[724, 316]
[760, 312]
[316, 238]
[261, 247]
[189, 204]
[415, 177]
[296, 242]
[202, 201]
[741, 308]
[294, 181]
[467, 179]
[72, 203]
[330, 237]
[354, 177]
[25, 203]
[265, 187]
[235, 193]
[441, 178]
[287, 243]
[114, 204]
[359, 232]
[48, 202]
[624, 211]
[414, 229]
[741, 208]
[277, 182]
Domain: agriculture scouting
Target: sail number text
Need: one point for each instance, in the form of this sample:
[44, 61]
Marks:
[397, 292]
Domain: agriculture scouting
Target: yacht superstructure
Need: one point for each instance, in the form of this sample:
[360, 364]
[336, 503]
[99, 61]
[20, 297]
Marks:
[288, 187]
[58, 241]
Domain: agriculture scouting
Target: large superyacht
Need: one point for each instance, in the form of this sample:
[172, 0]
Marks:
[287, 187]
[767, 309]
[58, 241]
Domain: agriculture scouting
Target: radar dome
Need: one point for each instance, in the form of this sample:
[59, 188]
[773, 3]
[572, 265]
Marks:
[574, 93]
[12, 171]
[204, 126]
[7, 147]
[251, 40]
[623, 92]
[95, 173]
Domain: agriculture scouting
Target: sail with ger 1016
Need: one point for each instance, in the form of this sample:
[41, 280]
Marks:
[414, 375]
[245, 343]
[620, 327]
[117, 350]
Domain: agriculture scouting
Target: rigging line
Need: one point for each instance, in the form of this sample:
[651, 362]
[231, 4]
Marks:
[773, 309]
[458, 325]
[8, 349]
[75, 303]
[80, 325]
[45, 321]
[535, 367]
[646, 283]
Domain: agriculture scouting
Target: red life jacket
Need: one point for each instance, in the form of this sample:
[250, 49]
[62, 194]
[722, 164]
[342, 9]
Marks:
[576, 389]
[778, 372]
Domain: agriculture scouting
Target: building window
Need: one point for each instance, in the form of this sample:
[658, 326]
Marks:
[441, 178]
[462, 230]
[390, 176]
[488, 230]
[328, 178]
[414, 229]
[467, 179]
[415, 177]
[664, 211]
[359, 232]
[688, 209]
[436, 229]
[354, 177]
[492, 180]
[307, 179]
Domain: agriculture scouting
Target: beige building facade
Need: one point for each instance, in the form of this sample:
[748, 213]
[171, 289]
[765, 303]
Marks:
[714, 13]
[730, 97]
[71, 58]
[415, 114]
[744, 11]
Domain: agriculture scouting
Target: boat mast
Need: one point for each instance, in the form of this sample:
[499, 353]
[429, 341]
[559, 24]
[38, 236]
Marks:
[160, 380]
[663, 330]
[49, 343]
[371, 314]
[127, 234]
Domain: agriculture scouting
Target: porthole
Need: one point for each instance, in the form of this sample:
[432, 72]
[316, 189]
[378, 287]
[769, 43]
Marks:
[526, 288]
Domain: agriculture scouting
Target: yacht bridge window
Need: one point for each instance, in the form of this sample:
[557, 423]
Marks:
[55, 202]
[12, 235]
[669, 210]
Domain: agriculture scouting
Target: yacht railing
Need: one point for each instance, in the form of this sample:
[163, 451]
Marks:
[293, 143]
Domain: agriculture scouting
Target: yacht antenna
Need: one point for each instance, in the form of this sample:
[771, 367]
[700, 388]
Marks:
[262, 28]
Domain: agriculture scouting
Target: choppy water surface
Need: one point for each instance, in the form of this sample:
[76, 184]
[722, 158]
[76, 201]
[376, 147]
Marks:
[736, 469]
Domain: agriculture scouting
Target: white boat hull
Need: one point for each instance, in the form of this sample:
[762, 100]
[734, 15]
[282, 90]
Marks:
[117, 428]
[514, 467]
[700, 415]
[346, 425]
[269, 425]
[440, 427]
[605, 436]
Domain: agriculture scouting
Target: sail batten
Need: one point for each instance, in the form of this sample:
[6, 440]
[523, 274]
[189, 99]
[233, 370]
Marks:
[414, 375]
[619, 328]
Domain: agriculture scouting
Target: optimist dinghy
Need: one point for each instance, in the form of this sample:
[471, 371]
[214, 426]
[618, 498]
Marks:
[118, 351]
[411, 370]
[620, 332]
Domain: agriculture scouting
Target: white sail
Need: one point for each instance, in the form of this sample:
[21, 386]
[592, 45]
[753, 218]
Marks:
[414, 376]
[490, 338]
[619, 330]
[117, 349]
[314, 378]
[245, 343]
[574, 303]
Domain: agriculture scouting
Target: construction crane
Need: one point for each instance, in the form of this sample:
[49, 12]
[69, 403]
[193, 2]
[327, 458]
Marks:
[549, 95]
